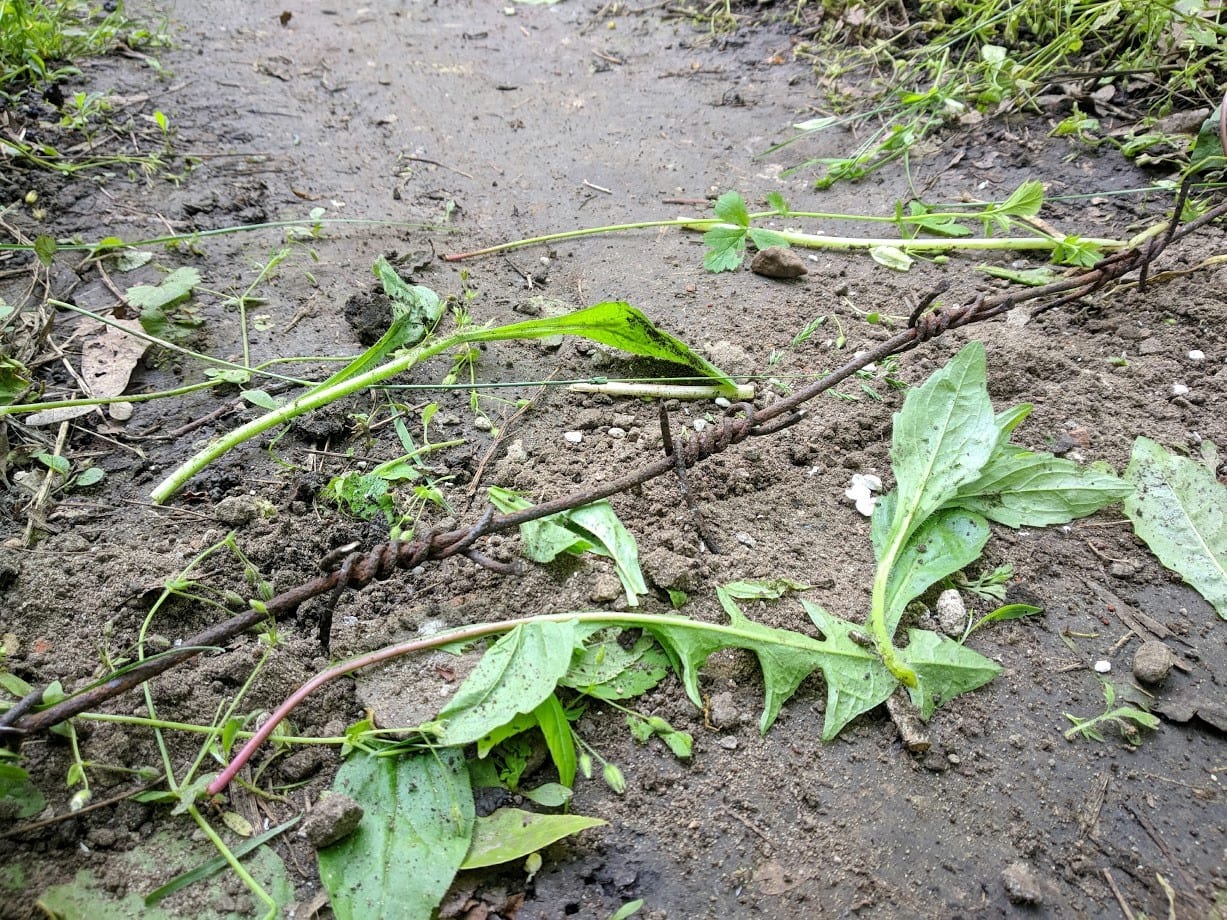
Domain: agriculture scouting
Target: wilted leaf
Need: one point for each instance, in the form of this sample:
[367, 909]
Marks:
[510, 834]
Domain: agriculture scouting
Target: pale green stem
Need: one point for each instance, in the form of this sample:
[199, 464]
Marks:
[252, 885]
[843, 243]
[108, 400]
[661, 390]
[202, 729]
[877, 615]
[309, 401]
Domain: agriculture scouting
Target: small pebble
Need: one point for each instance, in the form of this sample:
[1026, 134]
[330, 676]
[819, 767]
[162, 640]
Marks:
[1197, 355]
[722, 402]
[481, 423]
[778, 262]
[722, 711]
[1021, 885]
[617, 433]
[1179, 389]
[729, 743]
[573, 437]
[745, 539]
[334, 817]
[1102, 666]
[700, 424]
[1152, 662]
[951, 613]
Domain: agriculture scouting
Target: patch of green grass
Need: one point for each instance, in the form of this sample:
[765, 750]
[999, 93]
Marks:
[962, 60]
[39, 41]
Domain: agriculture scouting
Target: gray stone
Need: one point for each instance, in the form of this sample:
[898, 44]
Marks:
[1021, 885]
[778, 262]
[722, 712]
[334, 818]
[1152, 662]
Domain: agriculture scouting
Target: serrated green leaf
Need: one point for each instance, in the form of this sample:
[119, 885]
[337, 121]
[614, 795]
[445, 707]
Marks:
[944, 669]
[1019, 488]
[856, 679]
[1179, 510]
[776, 202]
[726, 248]
[731, 208]
[514, 676]
[510, 833]
[764, 239]
[418, 824]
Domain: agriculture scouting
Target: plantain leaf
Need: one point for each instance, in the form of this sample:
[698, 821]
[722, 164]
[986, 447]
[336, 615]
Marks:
[415, 831]
[1180, 511]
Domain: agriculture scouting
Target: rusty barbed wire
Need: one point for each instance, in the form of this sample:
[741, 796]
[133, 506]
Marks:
[360, 568]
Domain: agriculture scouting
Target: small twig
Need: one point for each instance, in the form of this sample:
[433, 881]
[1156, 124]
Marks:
[94, 806]
[459, 172]
[912, 731]
[1120, 898]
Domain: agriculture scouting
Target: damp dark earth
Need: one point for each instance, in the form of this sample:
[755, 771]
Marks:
[255, 161]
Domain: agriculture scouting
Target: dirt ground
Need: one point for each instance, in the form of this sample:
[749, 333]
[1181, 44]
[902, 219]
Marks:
[469, 123]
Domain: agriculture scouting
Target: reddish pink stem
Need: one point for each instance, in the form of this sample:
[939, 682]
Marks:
[346, 667]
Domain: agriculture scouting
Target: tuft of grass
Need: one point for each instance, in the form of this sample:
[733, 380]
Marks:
[963, 60]
[40, 40]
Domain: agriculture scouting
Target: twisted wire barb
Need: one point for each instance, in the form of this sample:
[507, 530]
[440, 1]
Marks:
[358, 569]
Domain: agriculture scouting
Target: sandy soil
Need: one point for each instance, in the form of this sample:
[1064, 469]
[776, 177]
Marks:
[467, 125]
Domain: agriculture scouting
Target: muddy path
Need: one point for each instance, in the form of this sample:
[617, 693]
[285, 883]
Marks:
[469, 123]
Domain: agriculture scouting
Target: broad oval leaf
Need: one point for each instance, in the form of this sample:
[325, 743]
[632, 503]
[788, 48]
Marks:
[417, 827]
[948, 541]
[1180, 511]
[944, 669]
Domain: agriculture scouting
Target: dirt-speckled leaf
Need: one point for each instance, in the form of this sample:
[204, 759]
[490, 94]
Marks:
[945, 543]
[1180, 510]
[943, 436]
[416, 828]
[944, 669]
[786, 657]
[558, 738]
[514, 676]
[592, 528]
[511, 833]
[857, 681]
[1019, 488]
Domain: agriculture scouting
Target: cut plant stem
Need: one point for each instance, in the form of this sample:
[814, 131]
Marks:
[662, 390]
[844, 243]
